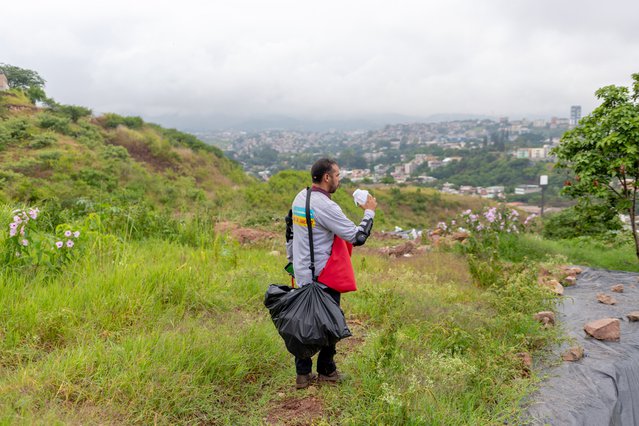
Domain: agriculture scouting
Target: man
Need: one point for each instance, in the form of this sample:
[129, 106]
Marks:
[327, 220]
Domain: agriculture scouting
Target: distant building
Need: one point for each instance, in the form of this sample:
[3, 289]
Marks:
[434, 164]
[575, 115]
[537, 154]
[467, 189]
[449, 160]
[426, 179]
[522, 153]
[527, 189]
[4, 83]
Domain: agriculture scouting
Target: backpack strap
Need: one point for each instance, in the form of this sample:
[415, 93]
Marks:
[310, 231]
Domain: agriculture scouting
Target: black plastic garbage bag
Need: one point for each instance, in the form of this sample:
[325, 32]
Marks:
[307, 318]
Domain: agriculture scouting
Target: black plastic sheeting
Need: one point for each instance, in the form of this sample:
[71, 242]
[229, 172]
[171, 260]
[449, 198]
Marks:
[603, 387]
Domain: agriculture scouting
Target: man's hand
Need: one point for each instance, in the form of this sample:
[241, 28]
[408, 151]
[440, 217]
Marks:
[370, 204]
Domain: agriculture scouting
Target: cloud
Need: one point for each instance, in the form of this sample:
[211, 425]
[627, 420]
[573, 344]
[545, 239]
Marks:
[325, 60]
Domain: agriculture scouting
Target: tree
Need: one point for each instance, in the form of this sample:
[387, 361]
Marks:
[21, 78]
[74, 112]
[603, 152]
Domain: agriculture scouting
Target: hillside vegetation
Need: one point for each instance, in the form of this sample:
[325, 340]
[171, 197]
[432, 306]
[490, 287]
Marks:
[52, 153]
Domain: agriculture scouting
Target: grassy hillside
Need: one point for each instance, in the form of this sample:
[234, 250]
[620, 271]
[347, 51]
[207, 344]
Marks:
[46, 154]
[157, 332]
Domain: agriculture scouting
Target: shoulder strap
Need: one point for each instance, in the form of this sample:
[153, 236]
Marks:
[310, 231]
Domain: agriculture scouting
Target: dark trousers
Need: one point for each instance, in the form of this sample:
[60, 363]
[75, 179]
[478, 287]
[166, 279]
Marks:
[325, 362]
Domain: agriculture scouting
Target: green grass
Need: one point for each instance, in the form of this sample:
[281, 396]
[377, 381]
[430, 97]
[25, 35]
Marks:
[156, 332]
[615, 254]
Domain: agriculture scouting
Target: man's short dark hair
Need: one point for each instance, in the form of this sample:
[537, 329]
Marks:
[320, 168]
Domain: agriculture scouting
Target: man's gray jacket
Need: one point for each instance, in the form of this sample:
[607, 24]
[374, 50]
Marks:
[327, 219]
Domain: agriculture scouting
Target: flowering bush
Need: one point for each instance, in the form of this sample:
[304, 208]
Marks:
[29, 245]
[484, 231]
[20, 230]
[487, 225]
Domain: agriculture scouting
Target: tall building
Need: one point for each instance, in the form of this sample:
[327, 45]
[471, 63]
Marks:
[575, 115]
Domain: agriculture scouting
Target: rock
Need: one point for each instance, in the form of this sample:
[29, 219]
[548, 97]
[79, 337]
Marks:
[570, 270]
[569, 281]
[545, 317]
[633, 316]
[543, 272]
[437, 231]
[274, 253]
[617, 288]
[573, 354]
[554, 286]
[605, 299]
[402, 249]
[460, 236]
[526, 363]
[604, 329]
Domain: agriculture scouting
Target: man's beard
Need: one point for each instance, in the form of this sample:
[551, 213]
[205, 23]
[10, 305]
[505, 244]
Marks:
[334, 188]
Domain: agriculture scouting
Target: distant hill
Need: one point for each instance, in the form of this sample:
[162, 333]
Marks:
[283, 122]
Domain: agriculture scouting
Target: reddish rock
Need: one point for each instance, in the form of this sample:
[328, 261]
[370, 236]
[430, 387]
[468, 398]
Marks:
[573, 354]
[633, 316]
[526, 363]
[402, 249]
[570, 280]
[617, 288]
[437, 231]
[567, 270]
[554, 286]
[604, 329]
[545, 317]
[543, 272]
[460, 236]
[605, 299]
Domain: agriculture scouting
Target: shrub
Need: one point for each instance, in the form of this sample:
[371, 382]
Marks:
[111, 121]
[73, 112]
[581, 220]
[486, 231]
[97, 179]
[30, 245]
[13, 130]
[116, 152]
[55, 123]
[42, 141]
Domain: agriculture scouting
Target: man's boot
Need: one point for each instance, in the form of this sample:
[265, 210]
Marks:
[333, 378]
[304, 380]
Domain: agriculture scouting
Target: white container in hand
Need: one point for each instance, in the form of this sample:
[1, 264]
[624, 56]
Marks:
[360, 196]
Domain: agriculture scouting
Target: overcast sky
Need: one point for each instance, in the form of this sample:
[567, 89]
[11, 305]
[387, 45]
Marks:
[198, 61]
